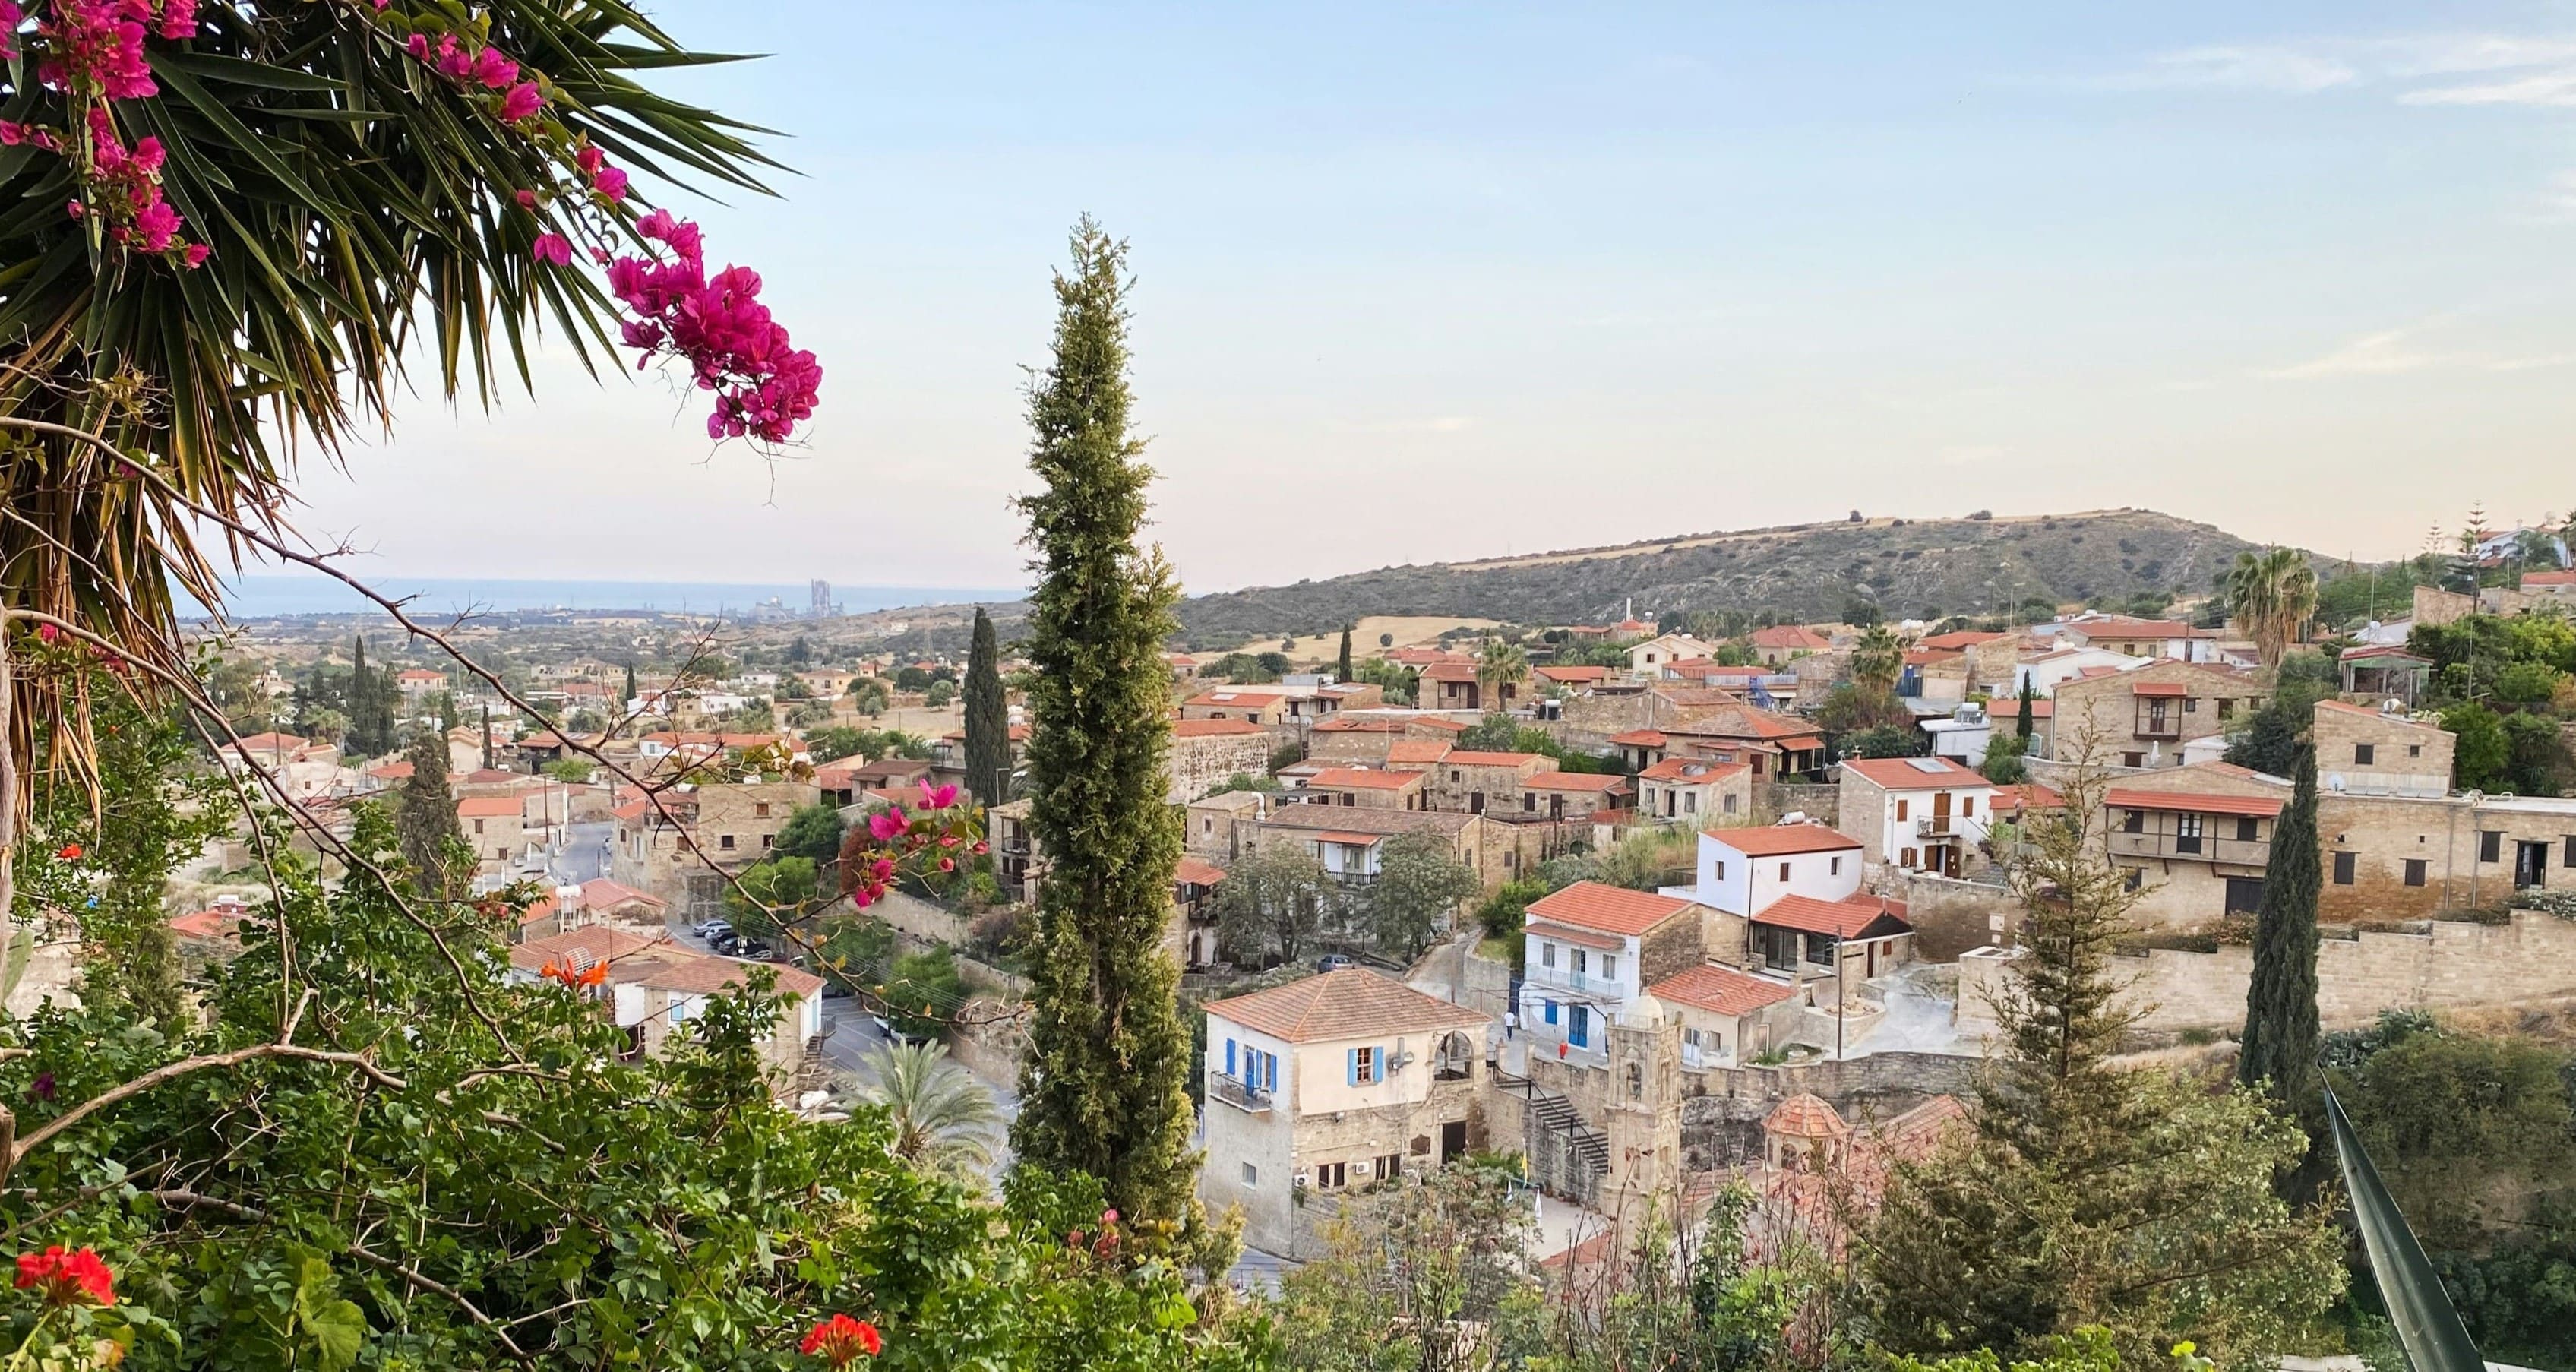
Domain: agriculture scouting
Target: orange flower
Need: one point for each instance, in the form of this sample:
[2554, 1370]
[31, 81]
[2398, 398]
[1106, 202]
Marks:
[70, 852]
[841, 1341]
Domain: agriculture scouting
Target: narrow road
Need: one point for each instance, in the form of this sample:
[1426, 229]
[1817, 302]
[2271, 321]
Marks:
[584, 855]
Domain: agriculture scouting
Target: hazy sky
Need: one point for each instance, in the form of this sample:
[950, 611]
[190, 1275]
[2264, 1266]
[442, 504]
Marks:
[1422, 282]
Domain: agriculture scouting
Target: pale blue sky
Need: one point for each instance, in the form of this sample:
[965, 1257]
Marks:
[1428, 282]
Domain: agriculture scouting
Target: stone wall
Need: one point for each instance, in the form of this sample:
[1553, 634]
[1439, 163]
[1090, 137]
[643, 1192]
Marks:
[2438, 964]
[1949, 916]
[1819, 801]
[1722, 1120]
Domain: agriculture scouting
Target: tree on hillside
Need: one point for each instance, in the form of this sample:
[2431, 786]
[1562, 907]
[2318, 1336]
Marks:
[2085, 1192]
[1342, 667]
[2279, 1056]
[1272, 904]
[2273, 595]
[813, 832]
[988, 717]
[2273, 735]
[425, 827]
[1420, 882]
[1104, 1088]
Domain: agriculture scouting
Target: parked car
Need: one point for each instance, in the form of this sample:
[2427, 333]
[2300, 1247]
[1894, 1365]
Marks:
[708, 929]
[725, 942]
[1332, 962]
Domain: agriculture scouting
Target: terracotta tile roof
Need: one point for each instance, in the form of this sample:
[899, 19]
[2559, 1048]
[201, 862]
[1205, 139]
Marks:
[1449, 671]
[1421, 750]
[1804, 1116]
[1215, 728]
[655, 962]
[1692, 770]
[1345, 836]
[1640, 738]
[489, 776]
[391, 771]
[1365, 779]
[1608, 909]
[2531, 579]
[2367, 651]
[1914, 773]
[1349, 723]
[1780, 840]
[218, 923]
[2159, 688]
[1351, 1003]
[600, 893]
[1721, 990]
[489, 807]
[1367, 819]
[273, 743]
[1749, 722]
[2009, 707]
[1570, 675]
[1197, 872]
[2028, 795]
[2191, 802]
[1241, 698]
[1961, 638]
[1790, 636]
[1469, 757]
[1850, 917]
[1576, 781]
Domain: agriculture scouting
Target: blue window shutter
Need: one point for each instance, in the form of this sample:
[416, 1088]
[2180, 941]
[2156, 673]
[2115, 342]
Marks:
[1229, 1057]
[1270, 1071]
[1551, 1011]
[1350, 1067]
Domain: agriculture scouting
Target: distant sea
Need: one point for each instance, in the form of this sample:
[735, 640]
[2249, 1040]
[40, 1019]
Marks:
[260, 597]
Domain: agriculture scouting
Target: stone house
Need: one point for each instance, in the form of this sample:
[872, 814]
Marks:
[948, 757]
[497, 827]
[1350, 842]
[2362, 751]
[1782, 642]
[1640, 749]
[1690, 790]
[2165, 638]
[2195, 840]
[1263, 707]
[1330, 1083]
[1728, 1016]
[2391, 857]
[2142, 718]
[1204, 752]
[1455, 686]
[1590, 720]
[1786, 899]
[654, 986]
[1651, 658]
[1561, 796]
[1476, 782]
[1915, 812]
[1778, 746]
[732, 825]
[849, 781]
[1589, 952]
[1219, 828]
[1377, 787]
[2005, 712]
[2047, 669]
[2386, 673]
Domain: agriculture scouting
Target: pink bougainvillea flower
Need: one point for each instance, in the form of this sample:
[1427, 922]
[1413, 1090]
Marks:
[611, 183]
[97, 43]
[178, 19]
[981, 847]
[939, 799]
[195, 255]
[883, 869]
[494, 69]
[884, 826]
[589, 159]
[417, 46]
[10, 17]
[12, 133]
[155, 225]
[554, 248]
[527, 199]
[523, 100]
[48, 632]
[947, 864]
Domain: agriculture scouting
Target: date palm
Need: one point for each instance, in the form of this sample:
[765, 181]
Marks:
[943, 1119]
[1500, 663]
[2273, 595]
[1878, 660]
[364, 220]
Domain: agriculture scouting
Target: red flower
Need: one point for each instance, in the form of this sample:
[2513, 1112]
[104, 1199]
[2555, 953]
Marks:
[67, 1278]
[70, 852]
[841, 1340]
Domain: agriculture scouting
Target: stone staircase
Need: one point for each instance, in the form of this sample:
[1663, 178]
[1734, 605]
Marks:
[1567, 1156]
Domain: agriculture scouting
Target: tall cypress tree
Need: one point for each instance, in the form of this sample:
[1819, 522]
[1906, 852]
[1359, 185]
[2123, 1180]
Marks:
[364, 737]
[1343, 673]
[988, 717]
[627, 702]
[2280, 1042]
[425, 827]
[1104, 1087]
[2029, 699]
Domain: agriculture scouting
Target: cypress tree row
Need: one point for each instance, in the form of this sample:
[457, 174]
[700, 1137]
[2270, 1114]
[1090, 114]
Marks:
[2280, 1041]
[1344, 672]
[1104, 1087]
[988, 717]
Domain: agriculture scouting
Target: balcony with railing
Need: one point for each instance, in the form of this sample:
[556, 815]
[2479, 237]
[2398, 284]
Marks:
[1240, 1094]
[2212, 848]
[1580, 983]
[1934, 827]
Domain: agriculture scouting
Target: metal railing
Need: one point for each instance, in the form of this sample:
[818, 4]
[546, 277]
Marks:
[1234, 1091]
[2232, 851]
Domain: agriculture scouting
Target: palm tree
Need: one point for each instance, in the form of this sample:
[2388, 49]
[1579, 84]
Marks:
[348, 211]
[2273, 595]
[943, 1120]
[1878, 661]
[1500, 663]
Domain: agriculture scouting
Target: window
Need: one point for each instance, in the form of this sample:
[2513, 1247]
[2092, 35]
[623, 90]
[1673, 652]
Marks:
[1387, 1166]
[1251, 1175]
[1834, 868]
[1967, 805]
[1906, 858]
[1720, 873]
[478, 826]
[2248, 829]
[1690, 802]
[2570, 859]
[1453, 774]
[2414, 750]
[725, 841]
[1784, 871]
[1900, 809]
[768, 840]
[1730, 809]
[1529, 800]
[2490, 845]
[2134, 822]
[760, 810]
[1580, 959]
[1364, 1066]
[2345, 863]
[2133, 759]
[1551, 1011]
[1609, 966]
[1207, 826]
[2415, 871]
[2187, 831]
[2137, 877]
[1332, 1176]
[2364, 754]
[1547, 955]
[2225, 708]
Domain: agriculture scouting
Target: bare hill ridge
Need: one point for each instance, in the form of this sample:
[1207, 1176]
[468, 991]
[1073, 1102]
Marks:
[1908, 567]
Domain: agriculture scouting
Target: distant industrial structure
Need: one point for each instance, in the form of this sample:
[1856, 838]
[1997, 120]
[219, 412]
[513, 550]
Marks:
[819, 596]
